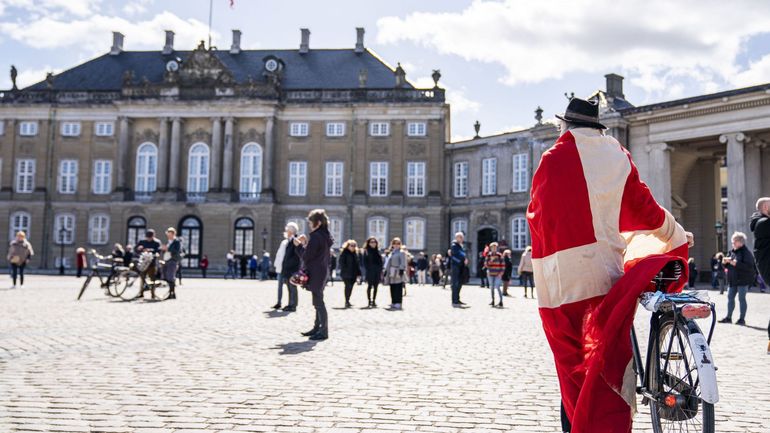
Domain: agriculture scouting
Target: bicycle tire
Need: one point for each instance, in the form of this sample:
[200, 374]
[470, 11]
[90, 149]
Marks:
[162, 290]
[117, 284]
[85, 285]
[131, 285]
[659, 413]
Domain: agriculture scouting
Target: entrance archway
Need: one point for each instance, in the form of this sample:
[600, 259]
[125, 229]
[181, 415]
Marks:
[484, 237]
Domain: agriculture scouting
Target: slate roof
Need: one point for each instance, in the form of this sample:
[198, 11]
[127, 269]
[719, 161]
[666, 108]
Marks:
[694, 99]
[317, 69]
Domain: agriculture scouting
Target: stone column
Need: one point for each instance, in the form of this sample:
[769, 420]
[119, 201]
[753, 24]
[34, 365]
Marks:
[163, 155]
[737, 216]
[753, 166]
[267, 161]
[659, 179]
[216, 153]
[174, 154]
[123, 152]
[227, 156]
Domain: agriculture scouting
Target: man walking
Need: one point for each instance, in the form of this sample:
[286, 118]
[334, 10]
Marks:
[173, 255]
[760, 226]
[459, 262]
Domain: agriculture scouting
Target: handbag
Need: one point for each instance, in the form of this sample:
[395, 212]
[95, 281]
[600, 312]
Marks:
[16, 260]
[299, 278]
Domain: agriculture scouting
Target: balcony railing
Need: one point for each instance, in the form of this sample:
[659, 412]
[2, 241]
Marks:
[143, 196]
[249, 197]
[195, 197]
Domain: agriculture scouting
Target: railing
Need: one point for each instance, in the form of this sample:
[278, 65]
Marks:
[143, 196]
[365, 95]
[250, 197]
[195, 197]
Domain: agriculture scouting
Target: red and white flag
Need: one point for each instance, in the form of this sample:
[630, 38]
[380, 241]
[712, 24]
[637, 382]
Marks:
[598, 239]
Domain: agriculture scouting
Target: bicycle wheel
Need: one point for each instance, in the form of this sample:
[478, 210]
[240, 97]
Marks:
[161, 290]
[85, 285]
[677, 383]
[131, 284]
[118, 282]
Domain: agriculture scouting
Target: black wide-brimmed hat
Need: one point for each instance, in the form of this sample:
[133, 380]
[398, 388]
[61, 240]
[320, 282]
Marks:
[582, 112]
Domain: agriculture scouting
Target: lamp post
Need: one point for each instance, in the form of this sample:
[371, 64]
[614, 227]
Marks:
[719, 228]
[62, 234]
[264, 239]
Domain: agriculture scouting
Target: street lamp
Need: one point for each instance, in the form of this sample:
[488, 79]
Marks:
[62, 234]
[264, 239]
[719, 227]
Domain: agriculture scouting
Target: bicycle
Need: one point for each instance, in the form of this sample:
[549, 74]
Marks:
[678, 378]
[147, 273]
[108, 271]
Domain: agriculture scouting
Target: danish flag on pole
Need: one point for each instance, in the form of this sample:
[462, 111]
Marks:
[598, 239]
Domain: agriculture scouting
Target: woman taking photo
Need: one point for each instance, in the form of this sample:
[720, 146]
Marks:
[315, 253]
[372, 270]
[395, 275]
[349, 268]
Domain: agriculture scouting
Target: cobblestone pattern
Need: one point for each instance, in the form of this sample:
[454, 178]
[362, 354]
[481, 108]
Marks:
[216, 359]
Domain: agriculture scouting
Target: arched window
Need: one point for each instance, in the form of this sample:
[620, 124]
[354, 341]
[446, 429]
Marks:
[99, 229]
[244, 236]
[377, 227]
[136, 227]
[414, 233]
[146, 168]
[198, 169]
[191, 232]
[20, 222]
[251, 171]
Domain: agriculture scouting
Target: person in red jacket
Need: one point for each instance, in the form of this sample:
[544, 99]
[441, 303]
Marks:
[495, 265]
[204, 265]
[81, 261]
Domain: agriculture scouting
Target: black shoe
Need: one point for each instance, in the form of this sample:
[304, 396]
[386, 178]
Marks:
[461, 303]
[741, 322]
[492, 304]
[277, 306]
[289, 308]
[348, 305]
[310, 332]
[319, 336]
[172, 295]
[500, 305]
[726, 320]
[374, 304]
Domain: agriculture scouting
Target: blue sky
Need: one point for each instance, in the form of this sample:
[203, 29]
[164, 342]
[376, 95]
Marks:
[499, 59]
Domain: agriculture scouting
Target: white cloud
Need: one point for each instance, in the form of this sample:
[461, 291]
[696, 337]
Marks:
[136, 7]
[455, 97]
[655, 43]
[79, 8]
[758, 72]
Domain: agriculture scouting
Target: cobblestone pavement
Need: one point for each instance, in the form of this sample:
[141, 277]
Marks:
[217, 359]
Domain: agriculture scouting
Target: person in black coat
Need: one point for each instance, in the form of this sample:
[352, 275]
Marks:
[507, 272]
[741, 271]
[349, 268]
[372, 270]
[289, 266]
[760, 226]
[315, 252]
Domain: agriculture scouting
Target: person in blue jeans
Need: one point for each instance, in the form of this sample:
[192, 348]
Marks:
[741, 270]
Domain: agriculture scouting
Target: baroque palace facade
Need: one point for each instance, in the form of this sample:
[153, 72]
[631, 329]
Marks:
[225, 145]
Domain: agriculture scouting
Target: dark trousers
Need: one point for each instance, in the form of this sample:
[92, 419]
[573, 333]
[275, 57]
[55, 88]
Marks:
[169, 274]
[371, 291]
[203, 271]
[321, 317]
[18, 270]
[348, 288]
[457, 283]
[79, 272]
[396, 293]
[435, 276]
[566, 426]
[253, 273]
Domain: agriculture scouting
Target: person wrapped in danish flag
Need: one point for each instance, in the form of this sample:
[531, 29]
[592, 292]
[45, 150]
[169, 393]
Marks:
[598, 239]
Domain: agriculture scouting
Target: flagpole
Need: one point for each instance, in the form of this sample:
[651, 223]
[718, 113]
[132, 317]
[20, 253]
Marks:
[211, 10]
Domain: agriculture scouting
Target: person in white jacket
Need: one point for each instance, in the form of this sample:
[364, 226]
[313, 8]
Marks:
[278, 263]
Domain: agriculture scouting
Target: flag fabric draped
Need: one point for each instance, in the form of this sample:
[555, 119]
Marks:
[598, 239]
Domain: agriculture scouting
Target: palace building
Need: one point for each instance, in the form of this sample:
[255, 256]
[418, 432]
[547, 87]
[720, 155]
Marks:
[226, 145]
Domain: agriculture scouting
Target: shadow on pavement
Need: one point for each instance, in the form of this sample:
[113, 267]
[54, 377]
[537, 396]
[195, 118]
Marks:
[276, 313]
[295, 348]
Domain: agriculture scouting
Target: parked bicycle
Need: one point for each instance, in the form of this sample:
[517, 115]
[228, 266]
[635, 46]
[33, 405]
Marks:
[678, 377]
[109, 271]
[148, 278]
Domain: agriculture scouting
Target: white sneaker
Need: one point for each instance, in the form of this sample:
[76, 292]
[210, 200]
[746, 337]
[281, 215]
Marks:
[13, 286]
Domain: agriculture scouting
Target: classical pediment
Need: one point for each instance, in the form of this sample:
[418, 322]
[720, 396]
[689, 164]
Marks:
[203, 67]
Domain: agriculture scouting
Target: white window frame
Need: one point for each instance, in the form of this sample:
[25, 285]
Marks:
[68, 176]
[335, 129]
[417, 129]
[101, 181]
[2, 126]
[25, 175]
[251, 169]
[146, 177]
[489, 176]
[379, 129]
[70, 129]
[68, 221]
[414, 227]
[334, 178]
[378, 178]
[198, 168]
[297, 178]
[460, 179]
[299, 221]
[335, 229]
[416, 178]
[299, 129]
[520, 172]
[518, 233]
[377, 227]
[104, 129]
[459, 225]
[28, 128]
[99, 229]
[20, 221]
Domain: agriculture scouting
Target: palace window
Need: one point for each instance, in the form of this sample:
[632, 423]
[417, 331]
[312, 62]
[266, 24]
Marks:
[68, 176]
[146, 168]
[335, 229]
[102, 180]
[378, 179]
[20, 222]
[104, 129]
[518, 233]
[520, 171]
[28, 129]
[244, 236]
[136, 227]
[379, 129]
[377, 227]
[298, 178]
[70, 129]
[198, 169]
[461, 179]
[334, 172]
[415, 179]
[414, 233]
[98, 229]
[299, 129]
[251, 171]
[489, 176]
[335, 129]
[191, 232]
[25, 175]
[65, 221]
[299, 221]
[460, 225]
[416, 129]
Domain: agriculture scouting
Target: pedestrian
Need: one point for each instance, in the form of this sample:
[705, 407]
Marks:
[81, 261]
[315, 252]
[506, 277]
[253, 267]
[349, 268]
[128, 255]
[526, 274]
[446, 263]
[495, 265]
[693, 268]
[482, 271]
[394, 271]
[332, 266]
[204, 265]
[149, 244]
[287, 263]
[459, 262]
[19, 253]
[118, 253]
[244, 264]
[230, 265]
[372, 269]
[717, 273]
[422, 268]
[173, 256]
[435, 269]
[760, 227]
[265, 266]
[741, 270]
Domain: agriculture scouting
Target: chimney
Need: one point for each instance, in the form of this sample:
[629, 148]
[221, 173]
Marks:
[169, 47]
[235, 48]
[304, 45]
[615, 85]
[359, 40]
[117, 43]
